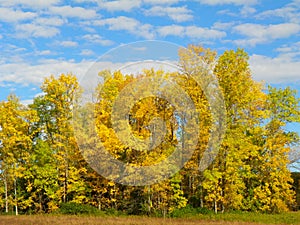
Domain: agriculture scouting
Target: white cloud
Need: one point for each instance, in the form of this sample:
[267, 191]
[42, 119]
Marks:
[12, 53]
[227, 12]
[130, 25]
[87, 52]
[138, 68]
[79, 12]
[11, 15]
[257, 33]
[178, 14]
[50, 21]
[44, 52]
[34, 30]
[284, 68]
[40, 27]
[68, 44]
[30, 3]
[84, 1]
[224, 2]
[204, 33]
[290, 13]
[247, 11]
[142, 49]
[95, 38]
[119, 5]
[27, 102]
[174, 30]
[222, 26]
[275, 70]
[160, 2]
[295, 47]
[25, 73]
[193, 32]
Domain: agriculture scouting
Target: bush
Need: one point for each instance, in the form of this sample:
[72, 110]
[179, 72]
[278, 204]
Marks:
[114, 212]
[72, 208]
[205, 211]
[189, 211]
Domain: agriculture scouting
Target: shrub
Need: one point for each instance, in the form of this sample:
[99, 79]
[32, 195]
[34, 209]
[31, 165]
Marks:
[189, 211]
[72, 208]
[114, 212]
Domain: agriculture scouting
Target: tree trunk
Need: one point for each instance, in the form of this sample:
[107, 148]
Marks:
[6, 194]
[149, 200]
[201, 197]
[99, 205]
[40, 203]
[215, 206]
[16, 197]
[65, 185]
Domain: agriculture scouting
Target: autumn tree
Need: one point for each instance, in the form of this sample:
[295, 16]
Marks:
[16, 140]
[153, 142]
[275, 194]
[55, 111]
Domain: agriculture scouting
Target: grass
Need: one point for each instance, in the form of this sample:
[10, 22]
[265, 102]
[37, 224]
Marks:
[220, 219]
[284, 218]
[79, 220]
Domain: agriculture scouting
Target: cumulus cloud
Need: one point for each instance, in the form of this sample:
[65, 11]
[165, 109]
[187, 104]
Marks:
[44, 52]
[27, 101]
[25, 73]
[290, 13]
[128, 24]
[119, 5]
[68, 44]
[95, 38]
[159, 2]
[30, 3]
[278, 69]
[204, 33]
[86, 52]
[69, 11]
[271, 70]
[34, 30]
[199, 33]
[224, 2]
[11, 15]
[257, 33]
[247, 11]
[222, 25]
[44, 27]
[50, 21]
[291, 48]
[178, 14]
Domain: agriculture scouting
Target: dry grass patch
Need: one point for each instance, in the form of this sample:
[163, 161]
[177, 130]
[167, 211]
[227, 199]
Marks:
[78, 220]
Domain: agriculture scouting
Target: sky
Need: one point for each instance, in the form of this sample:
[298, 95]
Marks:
[43, 37]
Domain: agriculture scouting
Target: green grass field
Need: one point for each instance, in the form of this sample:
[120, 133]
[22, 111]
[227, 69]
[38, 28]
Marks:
[220, 219]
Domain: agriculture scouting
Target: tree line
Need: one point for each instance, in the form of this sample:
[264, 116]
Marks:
[42, 166]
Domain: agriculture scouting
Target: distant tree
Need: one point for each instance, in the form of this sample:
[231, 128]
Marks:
[16, 140]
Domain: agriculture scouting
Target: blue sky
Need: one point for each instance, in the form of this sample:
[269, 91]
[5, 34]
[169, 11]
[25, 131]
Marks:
[39, 38]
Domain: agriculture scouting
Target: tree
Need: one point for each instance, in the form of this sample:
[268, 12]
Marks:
[16, 138]
[50, 151]
[55, 111]
[275, 193]
[41, 178]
